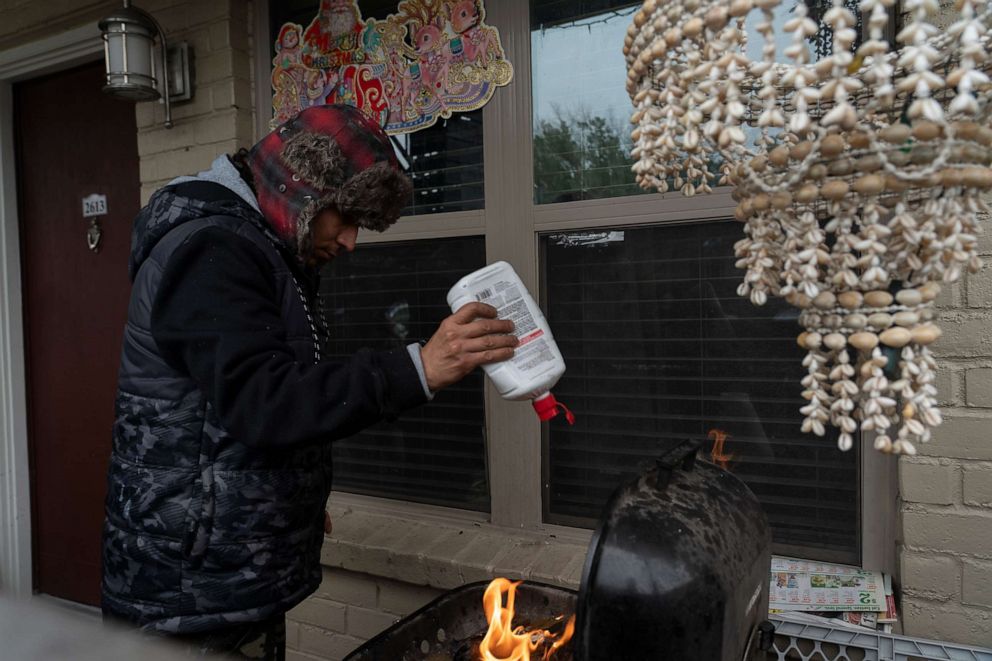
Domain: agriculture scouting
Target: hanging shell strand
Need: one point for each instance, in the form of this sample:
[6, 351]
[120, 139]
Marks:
[852, 211]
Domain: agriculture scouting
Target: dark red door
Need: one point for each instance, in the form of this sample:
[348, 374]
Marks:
[72, 141]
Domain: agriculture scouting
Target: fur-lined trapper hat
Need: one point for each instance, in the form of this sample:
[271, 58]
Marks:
[327, 156]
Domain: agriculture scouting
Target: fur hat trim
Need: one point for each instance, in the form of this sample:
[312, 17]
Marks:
[327, 156]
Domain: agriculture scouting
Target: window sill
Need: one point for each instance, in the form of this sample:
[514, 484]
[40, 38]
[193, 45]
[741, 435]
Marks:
[444, 548]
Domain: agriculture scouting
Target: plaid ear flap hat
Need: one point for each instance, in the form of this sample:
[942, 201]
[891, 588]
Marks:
[327, 156]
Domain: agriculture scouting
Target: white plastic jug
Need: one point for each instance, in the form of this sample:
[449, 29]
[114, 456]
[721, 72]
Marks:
[537, 364]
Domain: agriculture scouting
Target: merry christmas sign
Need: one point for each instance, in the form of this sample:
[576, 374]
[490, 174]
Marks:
[429, 59]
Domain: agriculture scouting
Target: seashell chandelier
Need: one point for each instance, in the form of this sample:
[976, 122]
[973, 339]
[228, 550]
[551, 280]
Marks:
[859, 179]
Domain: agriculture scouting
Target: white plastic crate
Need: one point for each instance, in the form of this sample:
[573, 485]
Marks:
[801, 641]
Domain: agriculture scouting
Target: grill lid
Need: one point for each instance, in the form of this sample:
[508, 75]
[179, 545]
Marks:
[678, 565]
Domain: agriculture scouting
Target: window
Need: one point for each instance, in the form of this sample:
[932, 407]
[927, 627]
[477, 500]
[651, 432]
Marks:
[609, 262]
[661, 349]
[658, 345]
[581, 109]
[445, 164]
[385, 297]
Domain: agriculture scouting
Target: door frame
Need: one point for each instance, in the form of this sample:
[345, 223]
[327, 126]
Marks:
[65, 50]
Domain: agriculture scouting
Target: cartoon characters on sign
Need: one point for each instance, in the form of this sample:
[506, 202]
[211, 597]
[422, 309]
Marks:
[296, 86]
[361, 86]
[332, 37]
[478, 42]
[426, 22]
[288, 73]
[429, 59]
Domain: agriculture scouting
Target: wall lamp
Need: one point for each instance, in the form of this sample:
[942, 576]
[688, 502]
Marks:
[128, 48]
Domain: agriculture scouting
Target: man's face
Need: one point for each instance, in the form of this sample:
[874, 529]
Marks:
[330, 234]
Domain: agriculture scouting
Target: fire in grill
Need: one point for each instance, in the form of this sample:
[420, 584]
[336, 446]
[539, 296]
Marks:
[507, 639]
[677, 569]
[454, 626]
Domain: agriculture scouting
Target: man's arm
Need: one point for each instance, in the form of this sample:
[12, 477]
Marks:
[217, 316]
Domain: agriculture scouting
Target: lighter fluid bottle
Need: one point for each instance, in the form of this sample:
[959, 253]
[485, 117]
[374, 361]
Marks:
[537, 364]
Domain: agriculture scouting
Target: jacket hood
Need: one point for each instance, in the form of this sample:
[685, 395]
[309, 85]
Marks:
[179, 203]
[328, 156]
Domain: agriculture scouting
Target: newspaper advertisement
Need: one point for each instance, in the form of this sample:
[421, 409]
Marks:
[803, 585]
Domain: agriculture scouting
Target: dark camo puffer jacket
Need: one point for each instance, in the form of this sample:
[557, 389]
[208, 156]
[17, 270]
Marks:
[177, 478]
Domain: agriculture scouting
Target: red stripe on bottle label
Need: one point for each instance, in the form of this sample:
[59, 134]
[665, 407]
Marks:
[533, 336]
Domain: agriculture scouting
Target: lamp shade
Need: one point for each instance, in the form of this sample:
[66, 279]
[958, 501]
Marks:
[128, 41]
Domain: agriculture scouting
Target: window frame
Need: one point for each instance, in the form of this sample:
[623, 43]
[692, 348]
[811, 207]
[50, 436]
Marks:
[511, 223]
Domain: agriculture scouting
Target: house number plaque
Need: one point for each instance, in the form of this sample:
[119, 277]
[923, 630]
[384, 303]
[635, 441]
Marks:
[94, 206]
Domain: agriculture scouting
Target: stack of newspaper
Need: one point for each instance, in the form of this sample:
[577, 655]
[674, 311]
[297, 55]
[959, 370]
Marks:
[851, 595]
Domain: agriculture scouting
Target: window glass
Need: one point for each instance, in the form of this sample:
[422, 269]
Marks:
[385, 297]
[580, 104]
[818, 46]
[443, 161]
[581, 108]
[659, 348]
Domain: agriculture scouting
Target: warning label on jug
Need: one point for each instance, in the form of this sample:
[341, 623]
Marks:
[533, 336]
[509, 303]
[517, 312]
[536, 364]
[533, 351]
[534, 354]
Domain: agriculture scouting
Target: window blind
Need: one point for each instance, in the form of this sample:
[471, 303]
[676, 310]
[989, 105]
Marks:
[445, 164]
[385, 297]
[659, 348]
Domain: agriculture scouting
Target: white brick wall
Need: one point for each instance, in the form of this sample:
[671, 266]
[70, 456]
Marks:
[949, 621]
[219, 119]
[979, 288]
[978, 384]
[946, 560]
[976, 584]
[937, 482]
[935, 577]
[347, 610]
[964, 434]
[954, 530]
[978, 487]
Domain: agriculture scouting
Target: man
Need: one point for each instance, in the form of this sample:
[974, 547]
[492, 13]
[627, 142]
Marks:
[221, 461]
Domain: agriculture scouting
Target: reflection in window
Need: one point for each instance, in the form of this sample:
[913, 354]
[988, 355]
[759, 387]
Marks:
[581, 109]
[445, 164]
[822, 41]
[819, 46]
[659, 348]
[385, 297]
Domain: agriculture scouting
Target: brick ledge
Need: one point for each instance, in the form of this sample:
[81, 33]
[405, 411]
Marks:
[418, 545]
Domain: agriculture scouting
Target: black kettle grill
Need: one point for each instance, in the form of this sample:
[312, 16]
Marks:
[677, 570]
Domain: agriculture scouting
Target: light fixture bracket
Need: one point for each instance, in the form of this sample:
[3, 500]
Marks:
[180, 63]
[133, 65]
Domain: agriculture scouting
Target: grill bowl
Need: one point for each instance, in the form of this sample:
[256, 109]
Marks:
[444, 628]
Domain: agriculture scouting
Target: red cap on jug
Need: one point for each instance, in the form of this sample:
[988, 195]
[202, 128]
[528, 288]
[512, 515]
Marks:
[547, 407]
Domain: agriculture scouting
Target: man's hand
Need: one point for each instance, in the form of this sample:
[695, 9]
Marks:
[471, 337]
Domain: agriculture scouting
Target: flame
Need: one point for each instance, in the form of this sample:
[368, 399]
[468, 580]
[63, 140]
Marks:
[719, 437]
[503, 641]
